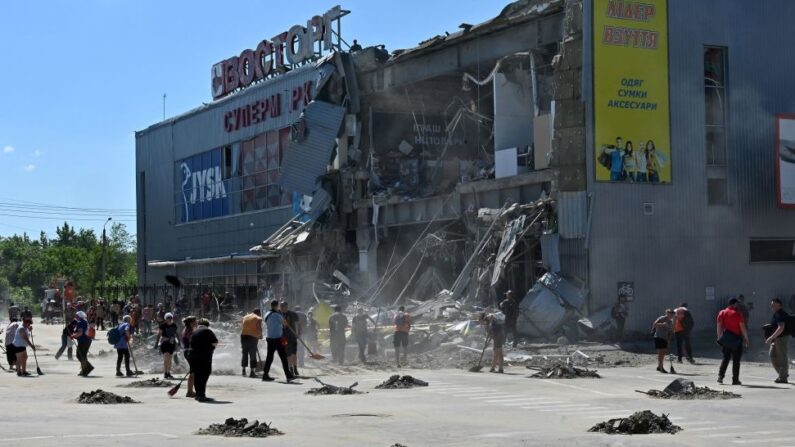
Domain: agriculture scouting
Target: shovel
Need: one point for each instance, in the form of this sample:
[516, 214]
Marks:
[35, 357]
[312, 355]
[479, 366]
[671, 360]
[136, 372]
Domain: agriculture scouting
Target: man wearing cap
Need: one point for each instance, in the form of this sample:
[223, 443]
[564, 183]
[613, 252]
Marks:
[510, 307]
[732, 337]
[250, 335]
[167, 338]
[202, 346]
[83, 343]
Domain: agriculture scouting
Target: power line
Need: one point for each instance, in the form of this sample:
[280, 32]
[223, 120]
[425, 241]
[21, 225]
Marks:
[16, 202]
[64, 218]
[99, 215]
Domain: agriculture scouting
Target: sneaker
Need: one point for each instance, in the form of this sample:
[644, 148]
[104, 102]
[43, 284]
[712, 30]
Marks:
[662, 370]
[253, 375]
[88, 371]
[720, 380]
[26, 374]
[119, 374]
[168, 376]
[190, 394]
[679, 361]
[267, 378]
[780, 380]
[491, 370]
[205, 399]
[290, 378]
[500, 371]
[736, 382]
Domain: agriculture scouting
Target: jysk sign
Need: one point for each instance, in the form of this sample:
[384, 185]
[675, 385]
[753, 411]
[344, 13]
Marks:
[631, 108]
[203, 187]
[292, 47]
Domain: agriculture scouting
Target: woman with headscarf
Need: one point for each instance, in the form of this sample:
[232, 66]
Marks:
[187, 332]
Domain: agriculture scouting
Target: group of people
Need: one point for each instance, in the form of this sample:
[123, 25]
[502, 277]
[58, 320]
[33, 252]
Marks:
[627, 164]
[284, 327]
[338, 325]
[731, 335]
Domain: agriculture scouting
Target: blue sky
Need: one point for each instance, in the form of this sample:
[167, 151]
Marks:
[80, 77]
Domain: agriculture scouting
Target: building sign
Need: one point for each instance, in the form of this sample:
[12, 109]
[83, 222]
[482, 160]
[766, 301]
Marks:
[627, 290]
[631, 107]
[414, 134]
[785, 161]
[295, 46]
[261, 110]
[202, 182]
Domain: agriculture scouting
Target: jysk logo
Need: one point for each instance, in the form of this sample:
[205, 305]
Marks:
[205, 185]
[201, 181]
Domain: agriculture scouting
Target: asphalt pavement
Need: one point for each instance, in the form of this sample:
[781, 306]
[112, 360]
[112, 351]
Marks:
[458, 408]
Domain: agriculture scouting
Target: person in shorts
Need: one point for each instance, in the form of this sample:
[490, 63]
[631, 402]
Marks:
[401, 338]
[11, 352]
[663, 329]
[495, 326]
[167, 338]
[21, 343]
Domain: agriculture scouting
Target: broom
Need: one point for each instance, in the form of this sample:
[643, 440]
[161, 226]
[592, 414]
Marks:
[175, 390]
[312, 355]
[35, 357]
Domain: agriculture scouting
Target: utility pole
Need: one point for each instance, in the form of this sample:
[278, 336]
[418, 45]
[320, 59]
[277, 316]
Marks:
[104, 245]
[164, 106]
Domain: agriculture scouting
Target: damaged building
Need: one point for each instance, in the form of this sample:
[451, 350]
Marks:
[473, 164]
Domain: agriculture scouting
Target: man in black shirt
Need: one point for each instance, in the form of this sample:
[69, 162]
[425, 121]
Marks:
[337, 323]
[359, 331]
[168, 339]
[68, 330]
[202, 345]
[778, 341]
[510, 307]
[292, 332]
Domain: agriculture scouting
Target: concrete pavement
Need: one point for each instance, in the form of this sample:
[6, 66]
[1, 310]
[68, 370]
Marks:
[458, 408]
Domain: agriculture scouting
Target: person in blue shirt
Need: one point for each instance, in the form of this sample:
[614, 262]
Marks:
[274, 322]
[616, 160]
[123, 347]
[83, 344]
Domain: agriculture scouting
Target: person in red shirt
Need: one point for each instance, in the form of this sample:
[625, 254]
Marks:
[401, 338]
[732, 337]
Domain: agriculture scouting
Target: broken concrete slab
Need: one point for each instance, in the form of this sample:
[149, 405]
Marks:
[240, 428]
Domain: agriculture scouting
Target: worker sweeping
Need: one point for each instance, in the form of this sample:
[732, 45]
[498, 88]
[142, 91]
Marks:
[250, 335]
[495, 327]
[202, 343]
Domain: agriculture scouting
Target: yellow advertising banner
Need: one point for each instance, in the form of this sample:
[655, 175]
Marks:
[631, 109]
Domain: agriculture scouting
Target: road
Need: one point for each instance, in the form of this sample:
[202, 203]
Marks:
[459, 408]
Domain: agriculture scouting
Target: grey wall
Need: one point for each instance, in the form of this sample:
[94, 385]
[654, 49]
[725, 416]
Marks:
[161, 145]
[686, 245]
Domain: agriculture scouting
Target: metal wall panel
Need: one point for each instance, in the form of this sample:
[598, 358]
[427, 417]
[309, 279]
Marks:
[685, 246]
[572, 210]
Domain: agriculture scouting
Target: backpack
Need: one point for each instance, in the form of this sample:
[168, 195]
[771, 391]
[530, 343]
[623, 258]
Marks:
[400, 319]
[114, 336]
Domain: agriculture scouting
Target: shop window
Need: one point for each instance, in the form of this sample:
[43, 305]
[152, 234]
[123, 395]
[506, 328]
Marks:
[772, 250]
[715, 120]
[260, 164]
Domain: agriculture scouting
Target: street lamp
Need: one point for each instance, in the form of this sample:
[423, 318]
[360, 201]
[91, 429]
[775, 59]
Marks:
[104, 244]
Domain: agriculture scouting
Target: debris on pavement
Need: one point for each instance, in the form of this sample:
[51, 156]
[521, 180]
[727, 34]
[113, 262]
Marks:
[641, 423]
[562, 370]
[240, 428]
[150, 383]
[400, 382]
[684, 389]
[327, 389]
[398, 445]
[104, 397]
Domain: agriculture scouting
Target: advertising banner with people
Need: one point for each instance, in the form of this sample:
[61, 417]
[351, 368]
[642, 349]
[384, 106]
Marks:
[631, 109]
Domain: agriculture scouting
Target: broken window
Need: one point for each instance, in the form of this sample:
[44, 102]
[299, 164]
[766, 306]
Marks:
[772, 250]
[715, 102]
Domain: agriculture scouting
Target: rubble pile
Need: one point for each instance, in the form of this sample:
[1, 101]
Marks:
[104, 397]
[150, 383]
[240, 428]
[684, 389]
[641, 423]
[562, 370]
[397, 382]
[327, 389]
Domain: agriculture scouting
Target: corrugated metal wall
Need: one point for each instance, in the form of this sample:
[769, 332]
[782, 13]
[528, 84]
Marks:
[686, 246]
[160, 146]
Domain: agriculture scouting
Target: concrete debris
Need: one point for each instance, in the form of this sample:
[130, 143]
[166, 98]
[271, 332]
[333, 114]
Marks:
[398, 445]
[563, 370]
[400, 382]
[641, 423]
[327, 389]
[240, 428]
[684, 389]
[104, 397]
[150, 383]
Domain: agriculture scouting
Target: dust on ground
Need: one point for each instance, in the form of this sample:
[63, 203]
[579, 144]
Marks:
[562, 370]
[240, 428]
[104, 397]
[150, 383]
[397, 382]
[641, 423]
